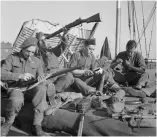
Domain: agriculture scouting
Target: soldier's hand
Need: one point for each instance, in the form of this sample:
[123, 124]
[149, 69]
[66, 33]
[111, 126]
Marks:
[40, 78]
[65, 34]
[88, 73]
[65, 30]
[99, 71]
[26, 76]
[127, 63]
[119, 61]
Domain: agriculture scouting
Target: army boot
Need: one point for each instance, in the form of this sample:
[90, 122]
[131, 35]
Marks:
[7, 124]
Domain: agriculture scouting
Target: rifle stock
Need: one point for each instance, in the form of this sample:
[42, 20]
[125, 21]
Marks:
[94, 18]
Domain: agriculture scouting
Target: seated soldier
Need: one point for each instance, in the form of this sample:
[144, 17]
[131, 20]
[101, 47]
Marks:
[129, 67]
[50, 63]
[86, 78]
[21, 67]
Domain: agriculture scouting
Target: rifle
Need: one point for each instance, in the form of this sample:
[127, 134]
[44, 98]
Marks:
[33, 83]
[94, 18]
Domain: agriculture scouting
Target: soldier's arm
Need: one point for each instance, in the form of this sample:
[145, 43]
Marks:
[140, 64]
[6, 70]
[59, 49]
[73, 63]
[116, 61]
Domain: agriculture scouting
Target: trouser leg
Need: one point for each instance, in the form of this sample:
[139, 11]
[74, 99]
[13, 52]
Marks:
[143, 79]
[38, 97]
[119, 77]
[135, 78]
[81, 86]
[63, 82]
[15, 102]
[93, 81]
[14, 105]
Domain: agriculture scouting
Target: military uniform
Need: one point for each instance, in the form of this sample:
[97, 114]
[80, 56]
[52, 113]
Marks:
[124, 75]
[14, 65]
[50, 63]
[12, 68]
[83, 83]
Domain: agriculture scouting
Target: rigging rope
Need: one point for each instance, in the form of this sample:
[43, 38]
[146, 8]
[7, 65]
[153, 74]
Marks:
[137, 29]
[129, 22]
[133, 20]
[119, 29]
[144, 29]
[151, 36]
[148, 20]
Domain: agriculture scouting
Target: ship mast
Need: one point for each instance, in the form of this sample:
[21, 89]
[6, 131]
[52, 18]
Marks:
[118, 14]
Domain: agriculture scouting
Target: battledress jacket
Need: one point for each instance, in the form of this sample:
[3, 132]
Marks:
[15, 64]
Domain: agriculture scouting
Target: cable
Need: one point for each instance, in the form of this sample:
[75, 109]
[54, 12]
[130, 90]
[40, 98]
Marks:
[137, 29]
[144, 29]
[120, 29]
[151, 36]
[133, 21]
[146, 24]
[129, 24]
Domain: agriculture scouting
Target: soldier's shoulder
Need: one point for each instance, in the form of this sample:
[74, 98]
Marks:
[138, 54]
[121, 54]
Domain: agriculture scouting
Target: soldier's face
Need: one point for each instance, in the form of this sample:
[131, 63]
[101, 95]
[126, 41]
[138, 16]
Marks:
[130, 51]
[28, 52]
[90, 49]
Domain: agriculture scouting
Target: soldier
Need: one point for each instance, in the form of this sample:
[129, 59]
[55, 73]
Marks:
[84, 79]
[50, 64]
[24, 66]
[131, 69]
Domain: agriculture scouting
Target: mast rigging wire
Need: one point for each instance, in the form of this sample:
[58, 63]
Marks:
[137, 29]
[148, 20]
[151, 36]
[133, 20]
[144, 29]
[129, 22]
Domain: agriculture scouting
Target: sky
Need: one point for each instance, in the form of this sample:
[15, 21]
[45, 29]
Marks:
[14, 13]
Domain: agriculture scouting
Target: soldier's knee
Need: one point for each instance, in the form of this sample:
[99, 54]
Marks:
[16, 97]
[69, 77]
[16, 103]
[77, 80]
